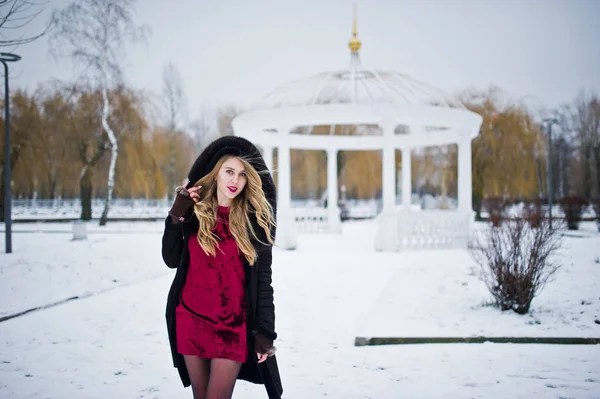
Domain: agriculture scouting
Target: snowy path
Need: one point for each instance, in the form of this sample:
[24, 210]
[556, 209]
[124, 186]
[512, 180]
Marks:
[114, 343]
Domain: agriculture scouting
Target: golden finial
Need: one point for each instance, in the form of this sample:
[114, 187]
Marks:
[354, 43]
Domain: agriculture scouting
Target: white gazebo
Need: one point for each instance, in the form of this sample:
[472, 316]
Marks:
[408, 115]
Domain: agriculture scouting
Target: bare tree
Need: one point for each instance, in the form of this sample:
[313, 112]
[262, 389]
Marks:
[51, 146]
[594, 126]
[16, 14]
[587, 124]
[24, 124]
[564, 148]
[93, 33]
[203, 133]
[224, 117]
[174, 99]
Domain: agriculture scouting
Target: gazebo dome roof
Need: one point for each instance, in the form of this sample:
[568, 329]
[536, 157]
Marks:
[356, 86]
[315, 112]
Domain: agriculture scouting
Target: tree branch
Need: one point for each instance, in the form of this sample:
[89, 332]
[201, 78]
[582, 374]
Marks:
[19, 15]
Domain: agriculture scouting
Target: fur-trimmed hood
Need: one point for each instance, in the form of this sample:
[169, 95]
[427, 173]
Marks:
[238, 146]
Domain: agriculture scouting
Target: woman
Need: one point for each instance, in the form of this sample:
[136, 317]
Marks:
[219, 235]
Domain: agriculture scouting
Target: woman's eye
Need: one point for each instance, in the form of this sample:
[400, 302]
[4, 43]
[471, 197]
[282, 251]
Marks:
[243, 174]
[229, 171]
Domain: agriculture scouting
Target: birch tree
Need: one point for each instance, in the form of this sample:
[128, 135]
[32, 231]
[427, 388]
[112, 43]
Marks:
[91, 142]
[94, 34]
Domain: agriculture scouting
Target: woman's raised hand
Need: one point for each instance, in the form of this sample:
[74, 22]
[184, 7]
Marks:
[184, 203]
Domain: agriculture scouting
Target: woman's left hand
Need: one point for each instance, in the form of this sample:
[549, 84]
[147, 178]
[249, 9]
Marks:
[263, 347]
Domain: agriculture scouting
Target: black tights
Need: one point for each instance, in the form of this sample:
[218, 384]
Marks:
[212, 378]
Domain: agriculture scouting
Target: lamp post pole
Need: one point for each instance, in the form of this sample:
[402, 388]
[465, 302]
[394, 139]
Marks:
[4, 58]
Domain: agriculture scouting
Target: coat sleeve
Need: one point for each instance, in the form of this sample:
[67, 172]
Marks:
[172, 243]
[265, 307]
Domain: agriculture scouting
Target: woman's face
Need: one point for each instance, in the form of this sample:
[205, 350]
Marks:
[231, 180]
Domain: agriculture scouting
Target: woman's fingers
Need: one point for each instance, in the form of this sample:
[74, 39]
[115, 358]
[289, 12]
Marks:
[194, 193]
[261, 357]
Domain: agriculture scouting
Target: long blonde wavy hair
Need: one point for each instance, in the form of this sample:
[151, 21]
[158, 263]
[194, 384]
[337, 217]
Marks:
[251, 200]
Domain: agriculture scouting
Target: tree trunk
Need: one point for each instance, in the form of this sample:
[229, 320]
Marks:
[476, 202]
[2, 195]
[597, 164]
[52, 182]
[586, 161]
[14, 155]
[110, 187]
[539, 171]
[114, 150]
[85, 192]
[562, 167]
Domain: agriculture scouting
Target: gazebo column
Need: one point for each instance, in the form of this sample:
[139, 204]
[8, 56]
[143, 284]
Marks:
[389, 178]
[286, 224]
[333, 210]
[406, 178]
[267, 154]
[387, 230]
[465, 186]
[465, 190]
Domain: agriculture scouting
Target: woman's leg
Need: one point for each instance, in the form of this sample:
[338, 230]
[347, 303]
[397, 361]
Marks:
[223, 374]
[198, 370]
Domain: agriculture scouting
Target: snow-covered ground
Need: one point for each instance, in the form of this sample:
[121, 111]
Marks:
[112, 340]
[71, 209]
[438, 293]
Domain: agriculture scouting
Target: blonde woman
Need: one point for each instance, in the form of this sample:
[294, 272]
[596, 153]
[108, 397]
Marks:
[219, 235]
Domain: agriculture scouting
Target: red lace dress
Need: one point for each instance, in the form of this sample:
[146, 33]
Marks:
[211, 316]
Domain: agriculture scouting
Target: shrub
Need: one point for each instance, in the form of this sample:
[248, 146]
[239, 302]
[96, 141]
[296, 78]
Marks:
[517, 260]
[573, 207]
[532, 212]
[496, 206]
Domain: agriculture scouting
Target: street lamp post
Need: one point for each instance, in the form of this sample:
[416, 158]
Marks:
[550, 122]
[4, 58]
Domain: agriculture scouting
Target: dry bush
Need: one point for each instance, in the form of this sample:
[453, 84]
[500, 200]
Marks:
[517, 260]
[573, 207]
[496, 207]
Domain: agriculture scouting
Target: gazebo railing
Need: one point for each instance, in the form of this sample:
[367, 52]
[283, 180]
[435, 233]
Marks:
[311, 220]
[433, 229]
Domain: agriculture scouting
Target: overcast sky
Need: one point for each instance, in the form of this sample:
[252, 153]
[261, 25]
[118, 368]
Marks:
[235, 52]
